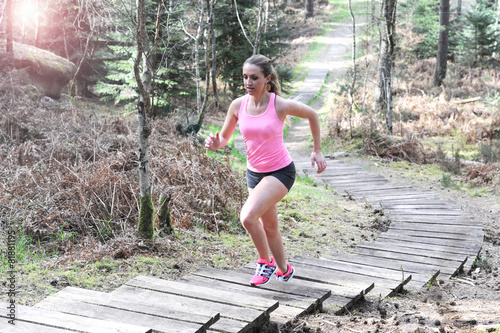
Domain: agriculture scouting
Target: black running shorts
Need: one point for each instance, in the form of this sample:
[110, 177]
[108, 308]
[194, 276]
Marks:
[285, 175]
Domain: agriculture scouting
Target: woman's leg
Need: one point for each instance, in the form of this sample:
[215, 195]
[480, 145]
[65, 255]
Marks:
[270, 222]
[259, 217]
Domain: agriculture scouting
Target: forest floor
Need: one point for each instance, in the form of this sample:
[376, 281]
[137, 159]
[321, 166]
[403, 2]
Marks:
[469, 302]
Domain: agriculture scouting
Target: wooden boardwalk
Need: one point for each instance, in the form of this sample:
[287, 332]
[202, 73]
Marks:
[427, 237]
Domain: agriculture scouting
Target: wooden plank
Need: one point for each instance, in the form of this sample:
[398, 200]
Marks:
[132, 303]
[285, 299]
[475, 238]
[459, 221]
[464, 219]
[72, 322]
[421, 205]
[411, 258]
[453, 259]
[24, 327]
[430, 211]
[243, 278]
[330, 276]
[374, 200]
[402, 242]
[232, 317]
[203, 293]
[380, 272]
[398, 194]
[438, 228]
[359, 186]
[470, 247]
[341, 300]
[117, 315]
[290, 306]
[355, 179]
[405, 200]
[395, 264]
[384, 188]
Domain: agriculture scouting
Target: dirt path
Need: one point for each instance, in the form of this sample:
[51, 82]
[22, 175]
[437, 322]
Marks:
[468, 303]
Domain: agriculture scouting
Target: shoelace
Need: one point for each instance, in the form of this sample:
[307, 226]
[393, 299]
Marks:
[263, 270]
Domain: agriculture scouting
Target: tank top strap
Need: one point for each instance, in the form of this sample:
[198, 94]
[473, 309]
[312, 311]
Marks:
[243, 106]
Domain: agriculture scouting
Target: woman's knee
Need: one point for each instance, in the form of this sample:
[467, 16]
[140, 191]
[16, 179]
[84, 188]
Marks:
[248, 220]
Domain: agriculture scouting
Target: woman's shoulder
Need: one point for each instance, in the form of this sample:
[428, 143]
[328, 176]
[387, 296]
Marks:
[236, 104]
[283, 103]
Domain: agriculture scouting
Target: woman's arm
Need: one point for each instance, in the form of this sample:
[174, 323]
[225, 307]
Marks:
[219, 140]
[285, 107]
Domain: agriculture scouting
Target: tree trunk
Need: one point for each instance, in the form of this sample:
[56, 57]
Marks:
[145, 226]
[383, 89]
[309, 8]
[164, 216]
[353, 83]
[9, 47]
[442, 53]
[459, 8]
[256, 48]
[213, 73]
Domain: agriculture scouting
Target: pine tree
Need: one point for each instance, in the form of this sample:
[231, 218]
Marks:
[477, 42]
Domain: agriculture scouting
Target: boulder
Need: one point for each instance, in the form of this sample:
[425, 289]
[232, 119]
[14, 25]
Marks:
[48, 72]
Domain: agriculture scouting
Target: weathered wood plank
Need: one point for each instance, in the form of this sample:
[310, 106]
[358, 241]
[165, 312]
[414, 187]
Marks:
[438, 228]
[26, 327]
[421, 205]
[470, 247]
[203, 293]
[232, 317]
[243, 278]
[116, 316]
[74, 322]
[430, 211]
[290, 306]
[132, 303]
[395, 264]
[380, 188]
[330, 276]
[399, 194]
[453, 259]
[475, 238]
[361, 269]
[411, 258]
[406, 200]
[415, 245]
[356, 179]
[438, 220]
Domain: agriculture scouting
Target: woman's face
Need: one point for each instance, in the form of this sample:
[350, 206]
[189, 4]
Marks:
[254, 80]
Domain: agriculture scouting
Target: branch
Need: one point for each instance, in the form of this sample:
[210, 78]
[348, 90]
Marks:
[241, 24]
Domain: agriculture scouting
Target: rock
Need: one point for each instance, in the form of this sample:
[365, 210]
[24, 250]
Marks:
[48, 72]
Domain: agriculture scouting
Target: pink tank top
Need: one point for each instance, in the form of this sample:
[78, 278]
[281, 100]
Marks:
[263, 135]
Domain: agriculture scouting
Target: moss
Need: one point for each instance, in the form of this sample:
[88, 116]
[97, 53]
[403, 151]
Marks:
[164, 218]
[146, 213]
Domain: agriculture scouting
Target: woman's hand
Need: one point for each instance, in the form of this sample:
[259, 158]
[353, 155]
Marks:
[213, 141]
[318, 159]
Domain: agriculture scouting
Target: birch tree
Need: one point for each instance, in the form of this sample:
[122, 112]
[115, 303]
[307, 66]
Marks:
[383, 89]
[145, 226]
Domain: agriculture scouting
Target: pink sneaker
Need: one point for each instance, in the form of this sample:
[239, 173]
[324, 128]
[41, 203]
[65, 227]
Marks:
[263, 272]
[285, 277]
